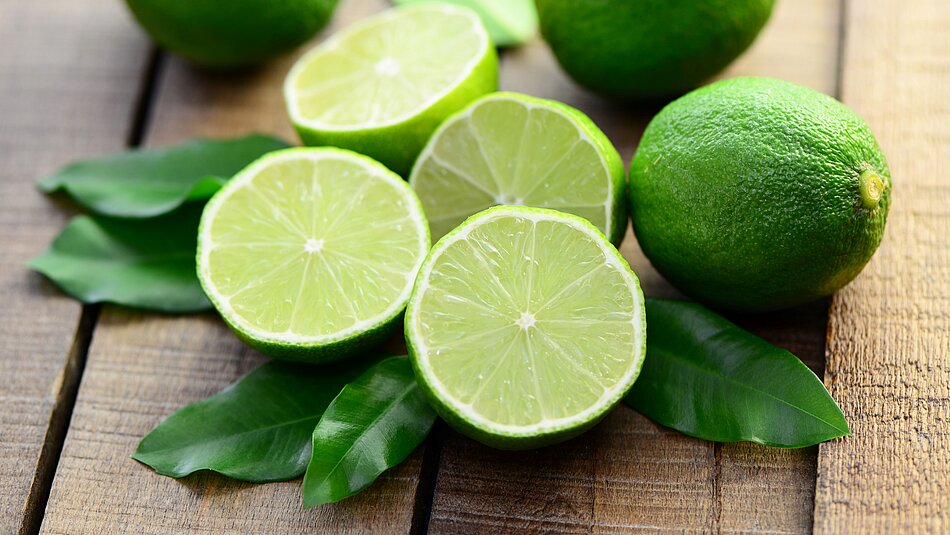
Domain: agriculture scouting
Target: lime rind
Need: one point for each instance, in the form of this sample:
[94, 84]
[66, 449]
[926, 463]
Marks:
[321, 347]
[615, 206]
[458, 413]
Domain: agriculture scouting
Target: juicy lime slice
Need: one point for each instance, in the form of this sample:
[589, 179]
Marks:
[508, 148]
[525, 326]
[383, 85]
[310, 254]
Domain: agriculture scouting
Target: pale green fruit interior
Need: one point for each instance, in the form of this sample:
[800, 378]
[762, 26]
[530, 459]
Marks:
[508, 151]
[389, 68]
[527, 321]
[312, 247]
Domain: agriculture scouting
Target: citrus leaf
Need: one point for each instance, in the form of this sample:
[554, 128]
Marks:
[375, 423]
[509, 22]
[143, 263]
[707, 378]
[149, 182]
[257, 429]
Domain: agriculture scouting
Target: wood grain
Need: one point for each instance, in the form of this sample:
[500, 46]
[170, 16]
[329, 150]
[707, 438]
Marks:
[628, 474]
[143, 367]
[889, 336]
[68, 86]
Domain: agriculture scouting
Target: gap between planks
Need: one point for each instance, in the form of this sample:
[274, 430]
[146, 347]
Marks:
[71, 74]
[76, 359]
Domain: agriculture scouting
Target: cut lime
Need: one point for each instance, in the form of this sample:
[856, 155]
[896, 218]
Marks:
[513, 149]
[310, 254]
[383, 85]
[525, 327]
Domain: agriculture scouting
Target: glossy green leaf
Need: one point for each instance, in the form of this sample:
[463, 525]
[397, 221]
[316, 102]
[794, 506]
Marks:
[149, 182]
[143, 263]
[509, 22]
[257, 429]
[375, 423]
[707, 378]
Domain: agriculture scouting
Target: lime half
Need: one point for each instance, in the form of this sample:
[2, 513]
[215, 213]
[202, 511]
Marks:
[513, 149]
[525, 327]
[383, 85]
[310, 254]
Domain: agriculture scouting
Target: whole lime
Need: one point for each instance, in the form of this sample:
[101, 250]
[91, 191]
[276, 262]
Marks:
[235, 33]
[648, 49]
[757, 194]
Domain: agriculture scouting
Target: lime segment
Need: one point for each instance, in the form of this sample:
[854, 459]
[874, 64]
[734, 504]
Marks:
[513, 149]
[308, 251]
[525, 326]
[382, 85]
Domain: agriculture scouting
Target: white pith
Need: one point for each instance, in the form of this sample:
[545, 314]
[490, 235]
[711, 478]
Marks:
[206, 245]
[547, 425]
[466, 115]
[337, 39]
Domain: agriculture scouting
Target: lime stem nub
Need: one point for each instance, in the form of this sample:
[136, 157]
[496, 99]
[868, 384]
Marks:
[872, 188]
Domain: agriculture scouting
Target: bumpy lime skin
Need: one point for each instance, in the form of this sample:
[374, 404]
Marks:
[398, 145]
[746, 194]
[649, 49]
[231, 34]
[490, 437]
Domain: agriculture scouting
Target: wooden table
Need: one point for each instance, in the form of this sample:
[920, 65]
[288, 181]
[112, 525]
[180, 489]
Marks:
[81, 385]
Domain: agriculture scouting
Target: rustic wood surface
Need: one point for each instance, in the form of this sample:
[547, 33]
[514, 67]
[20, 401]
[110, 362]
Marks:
[889, 336]
[629, 474]
[69, 81]
[141, 367]
[77, 79]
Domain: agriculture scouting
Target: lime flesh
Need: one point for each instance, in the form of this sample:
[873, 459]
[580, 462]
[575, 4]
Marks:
[381, 86]
[309, 254]
[513, 149]
[525, 327]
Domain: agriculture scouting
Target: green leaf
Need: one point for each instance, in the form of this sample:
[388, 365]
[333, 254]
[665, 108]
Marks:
[375, 423]
[257, 429]
[143, 263]
[149, 182]
[509, 22]
[707, 378]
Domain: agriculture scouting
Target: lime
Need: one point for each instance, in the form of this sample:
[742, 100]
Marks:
[758, 194]
[310, 254]
[382, 86]
[648, 49]
[235, 33]
[525, 326]
[508, 148]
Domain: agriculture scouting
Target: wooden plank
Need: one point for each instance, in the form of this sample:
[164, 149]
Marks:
[142, 367]
[628, 474]
[69, 80]
[889, 335]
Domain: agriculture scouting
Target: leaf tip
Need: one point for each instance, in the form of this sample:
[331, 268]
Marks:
[48, 184]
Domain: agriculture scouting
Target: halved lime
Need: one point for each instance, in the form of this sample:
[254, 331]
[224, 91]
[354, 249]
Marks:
[508, 148]
[310, 254]
[525, 326]
[383, 85]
